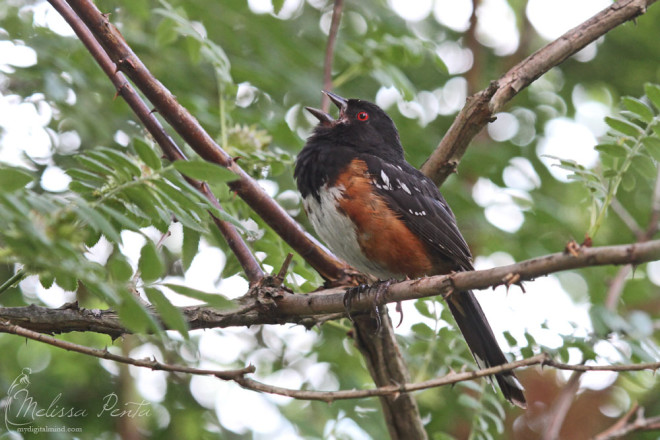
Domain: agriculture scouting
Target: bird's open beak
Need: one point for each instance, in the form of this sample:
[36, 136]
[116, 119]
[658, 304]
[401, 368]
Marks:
[324, 118]
[340, 102]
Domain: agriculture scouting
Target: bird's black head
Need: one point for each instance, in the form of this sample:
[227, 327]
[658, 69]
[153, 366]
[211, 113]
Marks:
[361, 125]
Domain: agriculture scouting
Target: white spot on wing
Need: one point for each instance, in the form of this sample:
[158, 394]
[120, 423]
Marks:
[386, 180]
[404, 187]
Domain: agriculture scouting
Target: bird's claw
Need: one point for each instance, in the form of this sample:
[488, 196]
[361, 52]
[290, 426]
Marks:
[353, 292]
[380, 290]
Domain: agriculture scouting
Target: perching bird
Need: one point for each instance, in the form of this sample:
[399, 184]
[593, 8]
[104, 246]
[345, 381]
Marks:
[384, 217]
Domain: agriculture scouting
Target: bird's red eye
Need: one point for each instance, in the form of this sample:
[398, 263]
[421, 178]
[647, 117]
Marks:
[363, 116]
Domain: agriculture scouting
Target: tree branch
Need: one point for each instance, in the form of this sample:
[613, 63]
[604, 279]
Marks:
[191, 131]
[481, 107]
[560, 407]
[394, 390]
[277, 305]
[6, 327]
[387, 367]
[623, 427]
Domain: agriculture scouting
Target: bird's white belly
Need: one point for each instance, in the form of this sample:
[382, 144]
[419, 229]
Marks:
[338, 231]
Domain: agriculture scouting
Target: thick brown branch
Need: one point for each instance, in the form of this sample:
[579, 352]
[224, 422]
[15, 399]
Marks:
[192, 132]
[387, 367]
[286, 307]
[481, 107]
[236, 243]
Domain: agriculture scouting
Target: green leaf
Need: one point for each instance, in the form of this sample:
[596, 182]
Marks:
[66, 281]
[190, 246]
[608, 174]
[213, 299]
[166, 33]
[46, 280]
[150, 265]
[422, 330]
[653, 93]
[134, 316]
[93, 237]
[645, 166]
[171, 316]
[176, 196]
[183, 216]
[194, 49]
[624, 127]
[277, 6]
[628, 182]
[95, 165]
[98, 222]
[140, 196]
[147, 154]
[613, 149]
[79, 174]
[423, 306]
[123, 160]
[123, 220]
[510, 339]
[652, 145]
[206, 171]
[119, 268]
[12, 179]
[469, 401]
[81, 188]
[232, 265]
[639, 108]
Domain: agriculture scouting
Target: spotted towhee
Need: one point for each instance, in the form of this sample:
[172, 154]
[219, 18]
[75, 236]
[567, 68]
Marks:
[384, 217]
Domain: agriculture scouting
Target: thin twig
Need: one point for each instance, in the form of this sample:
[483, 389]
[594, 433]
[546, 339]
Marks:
[327, 396]
[627, 218]
[622, 367]
[330, 51]
[641, 423]
[285, 267]
[615, 289]
[17, 277]
[621, 423]
[153, 364]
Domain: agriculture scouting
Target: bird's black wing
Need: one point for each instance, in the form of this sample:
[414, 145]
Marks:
[421, 206]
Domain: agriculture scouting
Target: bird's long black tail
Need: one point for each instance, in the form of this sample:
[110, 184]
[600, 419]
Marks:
[481, 340]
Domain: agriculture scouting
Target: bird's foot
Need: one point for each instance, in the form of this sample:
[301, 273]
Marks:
[379, 288]
[353, 293]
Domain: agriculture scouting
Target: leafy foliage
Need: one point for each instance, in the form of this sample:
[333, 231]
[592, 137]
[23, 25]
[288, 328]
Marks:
[633, 140]
[250, 96]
